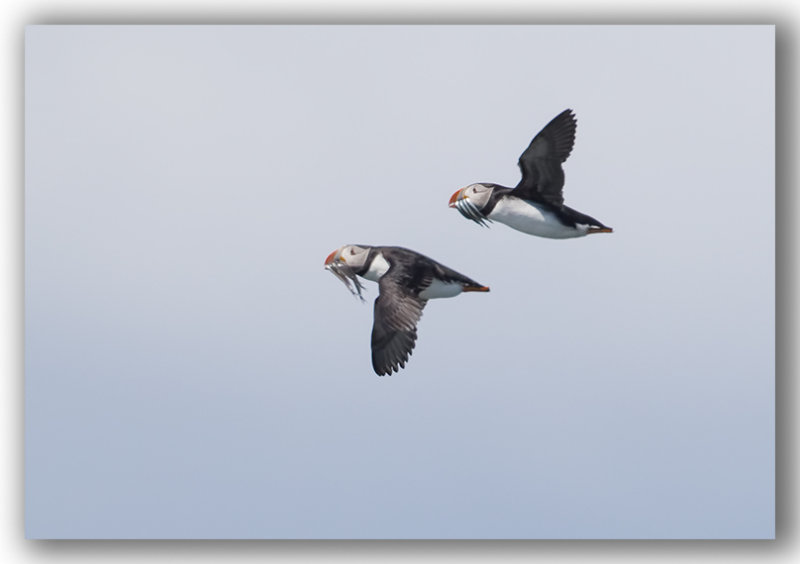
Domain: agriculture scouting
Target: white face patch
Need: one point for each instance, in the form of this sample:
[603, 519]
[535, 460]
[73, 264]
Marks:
[353, 255]
[478, 194]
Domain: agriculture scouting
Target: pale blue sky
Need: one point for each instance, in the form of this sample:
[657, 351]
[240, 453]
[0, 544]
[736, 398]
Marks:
[192, 371]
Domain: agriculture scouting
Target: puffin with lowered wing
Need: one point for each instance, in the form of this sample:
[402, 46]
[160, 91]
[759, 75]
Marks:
[406, 281]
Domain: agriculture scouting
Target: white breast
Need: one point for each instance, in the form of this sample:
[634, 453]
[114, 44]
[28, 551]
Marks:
[377, 268]
[439, 289]
[529, 218]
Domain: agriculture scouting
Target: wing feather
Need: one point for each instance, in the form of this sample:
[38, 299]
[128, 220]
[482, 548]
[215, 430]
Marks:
[394, 330]
[540, 163]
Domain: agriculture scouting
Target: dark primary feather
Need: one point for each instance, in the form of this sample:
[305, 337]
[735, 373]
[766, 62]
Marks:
[542, 174]
[394, 330]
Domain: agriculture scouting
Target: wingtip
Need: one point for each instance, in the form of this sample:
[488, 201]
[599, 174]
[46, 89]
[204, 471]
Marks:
[568, 112]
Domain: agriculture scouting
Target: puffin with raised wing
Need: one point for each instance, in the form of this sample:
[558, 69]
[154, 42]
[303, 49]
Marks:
[406, 281]
[536, 205]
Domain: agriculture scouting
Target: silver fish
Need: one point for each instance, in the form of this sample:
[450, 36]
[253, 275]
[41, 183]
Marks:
[346, 275]
[468, 210]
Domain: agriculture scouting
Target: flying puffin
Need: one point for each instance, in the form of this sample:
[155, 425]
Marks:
[536, 205]
[406, 281]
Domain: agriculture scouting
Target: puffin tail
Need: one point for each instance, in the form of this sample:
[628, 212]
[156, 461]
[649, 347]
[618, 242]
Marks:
[476, 288]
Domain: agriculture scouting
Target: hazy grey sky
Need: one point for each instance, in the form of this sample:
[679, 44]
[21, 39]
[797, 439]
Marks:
[192, 371]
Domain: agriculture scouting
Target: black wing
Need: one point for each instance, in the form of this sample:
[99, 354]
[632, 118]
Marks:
[542, 175]
[394, 329]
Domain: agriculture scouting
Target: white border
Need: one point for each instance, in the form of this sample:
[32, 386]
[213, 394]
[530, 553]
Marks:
[17, 13]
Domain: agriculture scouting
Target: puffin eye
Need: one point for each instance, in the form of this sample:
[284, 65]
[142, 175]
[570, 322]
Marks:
[352, 252]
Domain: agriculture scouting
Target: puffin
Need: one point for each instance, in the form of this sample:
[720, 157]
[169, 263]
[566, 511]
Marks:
[536, 205]
[406, 281]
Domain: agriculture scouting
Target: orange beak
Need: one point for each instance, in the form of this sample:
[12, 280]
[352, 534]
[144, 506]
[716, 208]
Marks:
[330, 258]
[455, 197]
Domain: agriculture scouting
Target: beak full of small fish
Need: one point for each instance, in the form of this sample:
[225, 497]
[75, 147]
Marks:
[344, 273]
[468, 210]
